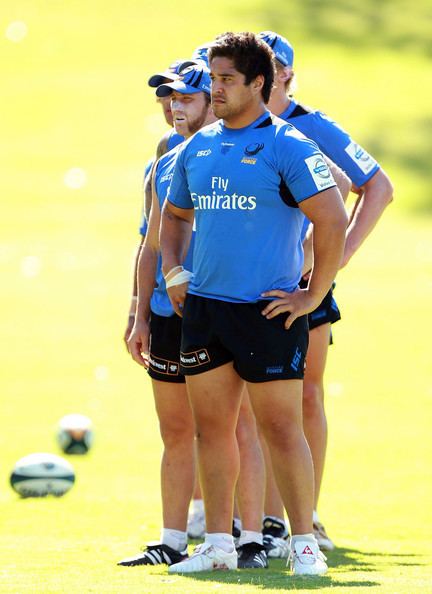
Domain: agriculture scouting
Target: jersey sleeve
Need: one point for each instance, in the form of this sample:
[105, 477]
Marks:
[178, 192]
[301, 165]
[343, 150]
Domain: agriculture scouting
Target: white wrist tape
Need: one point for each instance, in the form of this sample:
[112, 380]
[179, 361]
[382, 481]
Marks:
[181, 277]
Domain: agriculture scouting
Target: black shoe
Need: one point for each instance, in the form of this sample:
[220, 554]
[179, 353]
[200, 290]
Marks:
[252, 556]
[155, 554]
[274, 527]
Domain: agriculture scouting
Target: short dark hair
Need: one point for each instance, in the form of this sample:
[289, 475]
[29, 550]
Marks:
[251, 57]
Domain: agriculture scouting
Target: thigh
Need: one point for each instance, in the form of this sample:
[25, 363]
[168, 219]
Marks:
[215, 397]
[172, 402]
[277, 403]
[317, 353]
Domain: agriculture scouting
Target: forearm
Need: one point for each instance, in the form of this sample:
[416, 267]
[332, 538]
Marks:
[174, 238]
[134, 287]
[146, 275]
[368, 210]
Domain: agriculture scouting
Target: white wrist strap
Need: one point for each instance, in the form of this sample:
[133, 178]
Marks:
[181, 277]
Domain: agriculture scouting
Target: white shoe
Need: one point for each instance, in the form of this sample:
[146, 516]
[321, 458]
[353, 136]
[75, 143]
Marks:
[325, 543]
[276, 548]
[305, 558]
[196, 524]
[206, 557]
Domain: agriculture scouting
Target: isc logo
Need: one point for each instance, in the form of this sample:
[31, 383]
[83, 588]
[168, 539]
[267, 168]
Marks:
[205, 153]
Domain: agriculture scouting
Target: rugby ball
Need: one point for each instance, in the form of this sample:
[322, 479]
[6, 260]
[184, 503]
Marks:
[75, 434]
[38, 475]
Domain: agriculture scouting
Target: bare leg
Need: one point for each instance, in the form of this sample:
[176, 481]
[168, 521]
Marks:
[278, 409]
[273, 505]
[314, 418]
[250, 485]
[215, 398]
[177, 468]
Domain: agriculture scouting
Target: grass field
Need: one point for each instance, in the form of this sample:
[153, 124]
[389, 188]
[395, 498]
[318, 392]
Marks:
[75, 96]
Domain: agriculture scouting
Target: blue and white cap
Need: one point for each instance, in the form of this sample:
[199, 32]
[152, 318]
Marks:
[201, 52]
[170, 73]
[193, 79]
[281, 47]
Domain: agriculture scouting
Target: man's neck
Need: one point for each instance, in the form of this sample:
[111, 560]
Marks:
[246, 117]
[278, 103]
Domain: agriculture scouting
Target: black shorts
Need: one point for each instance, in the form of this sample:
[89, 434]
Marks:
[326, 312]
[215, 332]
[165, 337]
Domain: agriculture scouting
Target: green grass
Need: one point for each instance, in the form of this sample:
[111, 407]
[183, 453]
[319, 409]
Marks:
[75, 95]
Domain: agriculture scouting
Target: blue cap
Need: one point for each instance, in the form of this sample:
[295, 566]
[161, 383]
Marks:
[282, 48]
[193, 79]
[201, 52]
[169, 74]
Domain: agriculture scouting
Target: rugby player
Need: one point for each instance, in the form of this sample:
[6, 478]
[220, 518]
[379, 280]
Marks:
[249, 179]
[374, 191]
[156, 323]
[167, 142]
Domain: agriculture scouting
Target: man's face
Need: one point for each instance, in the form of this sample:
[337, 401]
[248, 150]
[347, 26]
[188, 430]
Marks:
[166, 108]
[229, 94]
[189, 112]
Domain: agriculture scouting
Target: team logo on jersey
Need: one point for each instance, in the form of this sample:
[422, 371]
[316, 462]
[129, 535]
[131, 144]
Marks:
[360, 157]
[320, 172]
[204, 153]
[250, 151]
[253, 149]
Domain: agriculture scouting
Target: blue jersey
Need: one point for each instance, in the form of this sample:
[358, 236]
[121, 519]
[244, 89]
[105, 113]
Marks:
[144, 222]
[174, 140]
[333, 141]
[160, 303]
[245, 185]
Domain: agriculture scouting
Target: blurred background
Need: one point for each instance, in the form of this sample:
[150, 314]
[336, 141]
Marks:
[78, 123]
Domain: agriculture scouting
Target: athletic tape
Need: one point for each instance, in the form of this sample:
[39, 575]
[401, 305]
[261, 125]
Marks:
[178, 279]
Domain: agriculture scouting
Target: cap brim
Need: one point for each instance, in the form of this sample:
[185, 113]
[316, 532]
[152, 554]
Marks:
[161, 77]
[179, 86]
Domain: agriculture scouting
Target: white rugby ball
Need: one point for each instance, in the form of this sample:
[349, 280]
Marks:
[38, 475]
[75, 434]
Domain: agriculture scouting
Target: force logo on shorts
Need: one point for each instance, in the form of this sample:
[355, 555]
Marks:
[164, 366]
[194, 358]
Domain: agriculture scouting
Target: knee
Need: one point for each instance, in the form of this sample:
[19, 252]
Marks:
[246, 432]
[313, 398]
[177, 432]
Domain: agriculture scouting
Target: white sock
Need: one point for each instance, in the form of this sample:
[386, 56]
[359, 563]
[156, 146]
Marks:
[250, 536]
[237, 523]
[221, 540]
[315, 517]
[176, 539]
[303, 537]
[197, 506]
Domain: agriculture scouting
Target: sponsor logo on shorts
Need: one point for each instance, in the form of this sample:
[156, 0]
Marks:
[320, 172]
[194, 358]
[204, 153]
[164, 366]
[274, 370]
[296, 360]
[360, 157]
